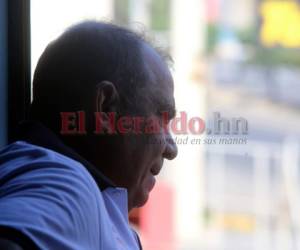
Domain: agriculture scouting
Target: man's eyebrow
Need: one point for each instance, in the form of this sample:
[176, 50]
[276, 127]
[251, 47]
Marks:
[172, 113]
[170, 110]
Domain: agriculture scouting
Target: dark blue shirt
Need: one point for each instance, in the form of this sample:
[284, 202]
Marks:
[54, 201]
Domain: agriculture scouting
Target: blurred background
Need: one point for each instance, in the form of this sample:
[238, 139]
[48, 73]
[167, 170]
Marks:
[233, 61]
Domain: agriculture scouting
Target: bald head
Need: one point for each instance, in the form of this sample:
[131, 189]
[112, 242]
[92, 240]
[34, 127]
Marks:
[86, 54]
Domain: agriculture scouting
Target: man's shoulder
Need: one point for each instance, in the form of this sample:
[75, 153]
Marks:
[23, 153]
[21, 159]
[21, 150]
[49, 193]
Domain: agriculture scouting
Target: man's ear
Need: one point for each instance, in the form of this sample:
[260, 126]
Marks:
[107, 97]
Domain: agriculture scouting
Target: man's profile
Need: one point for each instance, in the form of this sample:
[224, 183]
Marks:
[74, 190]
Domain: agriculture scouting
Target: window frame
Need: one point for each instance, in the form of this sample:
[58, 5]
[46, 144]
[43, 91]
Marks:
[19, 64]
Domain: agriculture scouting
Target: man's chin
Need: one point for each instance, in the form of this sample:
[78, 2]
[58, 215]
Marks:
[142, 199]
[142, 195]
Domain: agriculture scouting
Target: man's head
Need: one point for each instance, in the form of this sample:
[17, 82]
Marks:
[101, 67]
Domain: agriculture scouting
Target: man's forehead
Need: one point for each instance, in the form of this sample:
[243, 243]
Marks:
[157, 67]
[161, 81]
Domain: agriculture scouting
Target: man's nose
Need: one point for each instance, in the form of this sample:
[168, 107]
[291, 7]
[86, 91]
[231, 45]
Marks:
[171, 150]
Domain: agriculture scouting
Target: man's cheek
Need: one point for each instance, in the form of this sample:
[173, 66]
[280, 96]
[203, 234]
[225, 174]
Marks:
[155, 140]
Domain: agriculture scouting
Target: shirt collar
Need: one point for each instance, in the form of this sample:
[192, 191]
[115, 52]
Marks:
[36, 133]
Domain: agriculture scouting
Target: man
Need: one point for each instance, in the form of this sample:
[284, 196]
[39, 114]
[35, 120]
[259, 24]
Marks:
[71, 177]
